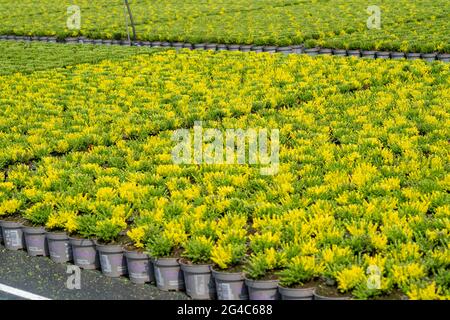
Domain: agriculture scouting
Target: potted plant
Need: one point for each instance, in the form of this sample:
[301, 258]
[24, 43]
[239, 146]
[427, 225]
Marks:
[228, 271]
[139, 265]
[334, 259]
[84, 250]
[164, 247]
[261, 278]
[112, 259]
[297, 280]
[59, 247]
[196, 267]
[34, 233]
[11, 225]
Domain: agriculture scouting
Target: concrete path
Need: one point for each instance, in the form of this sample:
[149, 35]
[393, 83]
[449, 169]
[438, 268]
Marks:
[25, 277]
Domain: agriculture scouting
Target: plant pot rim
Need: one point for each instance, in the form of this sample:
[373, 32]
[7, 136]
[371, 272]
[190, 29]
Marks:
[34, 230]
[261, 281]
[227, 272]
[135, 254]
[108, 248]
[10, 224]
[312, 289]
[331, 297]
[82, 242]
[170, 262]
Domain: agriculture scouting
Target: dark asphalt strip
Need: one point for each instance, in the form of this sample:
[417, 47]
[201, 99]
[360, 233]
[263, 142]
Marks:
[41, 276]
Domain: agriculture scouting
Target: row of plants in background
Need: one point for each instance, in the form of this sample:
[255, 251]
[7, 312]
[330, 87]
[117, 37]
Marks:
[405, 26]
[362, 181]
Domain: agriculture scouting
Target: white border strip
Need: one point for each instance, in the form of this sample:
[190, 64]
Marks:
[20, 293]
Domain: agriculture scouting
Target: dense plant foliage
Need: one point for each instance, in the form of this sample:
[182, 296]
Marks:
[363, 179]
[420, 26]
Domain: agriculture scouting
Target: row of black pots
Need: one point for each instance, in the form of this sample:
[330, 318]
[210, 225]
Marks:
[170, 274]
[298, 49]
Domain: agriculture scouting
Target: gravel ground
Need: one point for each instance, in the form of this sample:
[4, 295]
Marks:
[41, 276]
